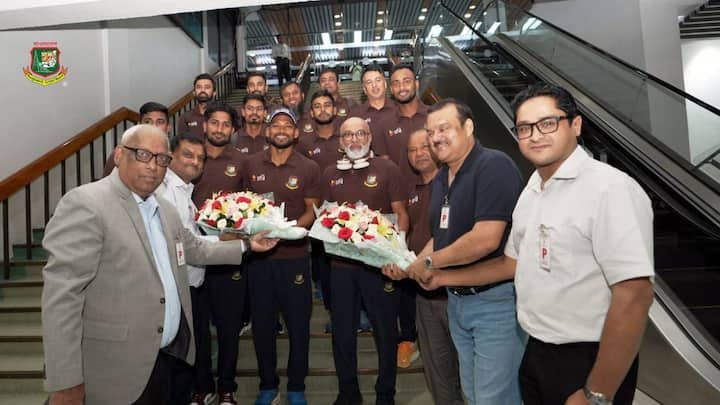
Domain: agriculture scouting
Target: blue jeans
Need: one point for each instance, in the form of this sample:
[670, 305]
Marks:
[490, 345]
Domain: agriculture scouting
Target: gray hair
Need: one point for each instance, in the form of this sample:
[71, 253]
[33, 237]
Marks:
[135, 131]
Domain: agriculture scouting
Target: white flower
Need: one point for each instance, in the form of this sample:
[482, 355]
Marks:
[222, 224]
[243, 206]
[335, 229]
[214, 216]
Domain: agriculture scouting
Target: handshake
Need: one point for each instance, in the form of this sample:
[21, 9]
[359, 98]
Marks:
[428, 278]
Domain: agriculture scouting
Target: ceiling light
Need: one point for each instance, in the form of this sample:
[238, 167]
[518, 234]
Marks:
[338, 23]
[379, 21]
[388, 35]
[340, 48]
[421, 18]
[468, 15]
[377, 37]
[357, 36]
[326, 38]
[472, 7]
[493, 28]
[423, 10]
[435, 30]
[381, 12]
[337, 16]
[477, 25]
[484, 12]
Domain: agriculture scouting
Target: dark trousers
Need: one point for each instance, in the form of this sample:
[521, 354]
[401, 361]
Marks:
[168, 383]
[407, 291]
[321, 269]
[550, 373]
[350, 285]
[285, 286]
[221, 299]
[283, 70]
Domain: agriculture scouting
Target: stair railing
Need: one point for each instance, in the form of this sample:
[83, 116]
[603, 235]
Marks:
[76, 161]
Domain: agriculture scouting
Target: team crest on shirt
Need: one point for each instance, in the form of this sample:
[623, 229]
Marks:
[336, 182]
[393, 132]
[231, 170]
[307, 128]
[371, 181]
[414, 200]
[255, 178]
[389, 287]
[299, 279]
[292, 183]
[342, 112]
[237, 275]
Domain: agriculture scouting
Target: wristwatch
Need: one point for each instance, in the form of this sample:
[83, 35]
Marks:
[596, 398]
[428, 262]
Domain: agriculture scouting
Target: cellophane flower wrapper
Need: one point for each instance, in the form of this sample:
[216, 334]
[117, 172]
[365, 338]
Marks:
[246, 213]
[356, 232]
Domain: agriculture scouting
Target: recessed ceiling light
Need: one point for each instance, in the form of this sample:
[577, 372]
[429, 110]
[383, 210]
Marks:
[326, 38]
[423, 10]
[379, 20]
[357, 36]
[468, 15]
[377, 37]
[381, 12]
[338, 23]
[472, 7]
[388, 34]
[337, 15]
[422, 17]
[484, 12]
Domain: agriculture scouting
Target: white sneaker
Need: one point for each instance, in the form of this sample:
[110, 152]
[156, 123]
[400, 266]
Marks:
[203, 399]
[246, 328]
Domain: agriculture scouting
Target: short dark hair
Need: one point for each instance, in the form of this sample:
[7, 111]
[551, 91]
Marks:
[288, 84]
[563, 99]
[401, 66]
[152, 106]
[204, 76]
[373, 67]
[322, 93]
[187, 137]
[256, 97]
[257, 74]
[463, 110]
[219, 106]
[329, 70]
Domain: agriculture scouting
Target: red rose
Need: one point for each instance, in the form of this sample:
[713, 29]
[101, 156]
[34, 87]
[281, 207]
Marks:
[223, 194]
[270, 203]
[242, 199]
[238, 223]
[216, 205]
[323, 212]
[374, 221]
[344, 215]
[367, 236]
[327, 222]
[345, 233]
[211, 222]
[197, 216]
[351, 206]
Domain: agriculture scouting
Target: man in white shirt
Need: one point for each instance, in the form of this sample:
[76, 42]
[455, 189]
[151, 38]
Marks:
[581, 253]
[281, 54]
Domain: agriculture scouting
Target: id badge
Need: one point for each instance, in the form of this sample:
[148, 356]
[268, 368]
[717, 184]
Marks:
[180, 253]
[444, 216]
[544, 250]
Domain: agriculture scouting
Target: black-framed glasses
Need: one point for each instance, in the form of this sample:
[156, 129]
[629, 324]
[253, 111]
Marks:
[545, 126]
[360, 134]
[145, 156]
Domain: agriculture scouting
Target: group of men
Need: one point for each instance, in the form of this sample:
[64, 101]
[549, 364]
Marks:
[567, 260]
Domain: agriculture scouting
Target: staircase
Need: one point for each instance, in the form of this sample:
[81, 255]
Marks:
[704, 22]
[349, 89]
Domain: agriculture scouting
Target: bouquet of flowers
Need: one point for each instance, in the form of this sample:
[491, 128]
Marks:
[247, 213]
[359, 233]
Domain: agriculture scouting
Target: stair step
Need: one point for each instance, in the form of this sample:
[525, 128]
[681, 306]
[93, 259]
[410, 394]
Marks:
[20, 304]
[20, 252]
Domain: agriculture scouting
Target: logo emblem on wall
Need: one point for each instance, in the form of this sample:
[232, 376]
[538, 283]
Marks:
[45, 68]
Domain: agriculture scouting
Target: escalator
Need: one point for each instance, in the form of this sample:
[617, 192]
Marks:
[633, 121]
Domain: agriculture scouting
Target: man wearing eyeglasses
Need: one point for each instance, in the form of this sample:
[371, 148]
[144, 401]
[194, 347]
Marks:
[379, 111]
[472, 199]
[221, 298]
[250, 138]
[377, 183]
[116, 305]
[581, 253]
[279, 281]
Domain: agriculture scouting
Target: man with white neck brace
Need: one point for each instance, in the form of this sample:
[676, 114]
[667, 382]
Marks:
[378, 184]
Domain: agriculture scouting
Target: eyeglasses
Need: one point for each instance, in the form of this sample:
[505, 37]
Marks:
[360, 134]
[545, 126]
[145, 156]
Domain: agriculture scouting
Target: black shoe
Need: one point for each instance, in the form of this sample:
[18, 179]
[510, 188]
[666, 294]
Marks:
[384, 402]
[346, 399]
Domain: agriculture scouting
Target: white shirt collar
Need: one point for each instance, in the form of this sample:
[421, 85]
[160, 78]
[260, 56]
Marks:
[173, 180]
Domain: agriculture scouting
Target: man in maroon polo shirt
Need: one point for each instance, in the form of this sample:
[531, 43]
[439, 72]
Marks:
[379, 111]
[221, 297]
[293, 99]
[377, 183]
[329, 80]
[192, 121]
[279, 281]
[250, 138]
[319, 141]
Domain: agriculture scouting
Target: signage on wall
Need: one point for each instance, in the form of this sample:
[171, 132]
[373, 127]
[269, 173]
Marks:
[45, 68]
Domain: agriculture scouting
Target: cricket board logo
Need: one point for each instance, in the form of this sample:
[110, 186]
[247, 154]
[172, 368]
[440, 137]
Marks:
[45, 68]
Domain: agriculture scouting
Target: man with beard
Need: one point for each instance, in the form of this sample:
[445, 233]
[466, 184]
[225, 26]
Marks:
[256, 84]
[379, 112]
[292, 99]
[151, 113]
[251, 137]
[321, 144]
[221, 298]
[192, 121]
[377, 183]
[330, 81]
[279, 281]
